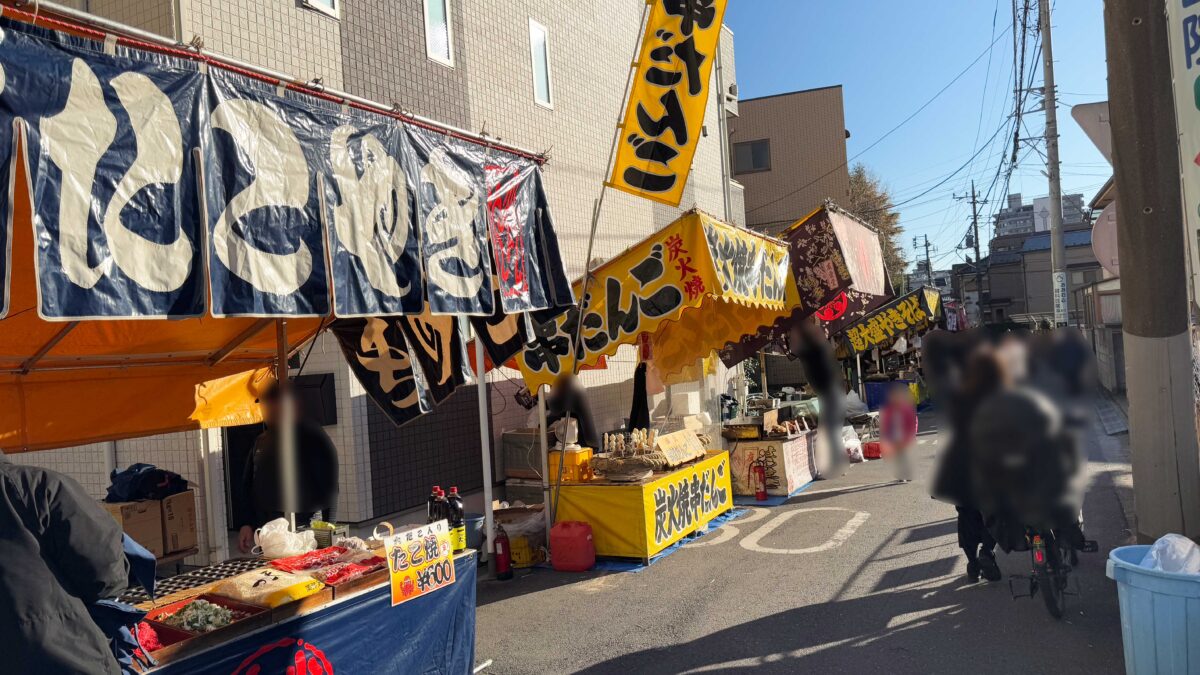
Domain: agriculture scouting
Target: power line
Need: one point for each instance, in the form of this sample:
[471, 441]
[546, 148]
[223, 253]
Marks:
[891, 131]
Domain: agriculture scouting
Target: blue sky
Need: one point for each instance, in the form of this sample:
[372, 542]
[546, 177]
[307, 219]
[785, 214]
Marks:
[892, 57]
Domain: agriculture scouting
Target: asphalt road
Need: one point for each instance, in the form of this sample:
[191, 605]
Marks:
[857, 574]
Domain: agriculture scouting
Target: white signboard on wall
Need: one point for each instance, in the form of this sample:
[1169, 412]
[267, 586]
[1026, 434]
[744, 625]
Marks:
[1183, 31]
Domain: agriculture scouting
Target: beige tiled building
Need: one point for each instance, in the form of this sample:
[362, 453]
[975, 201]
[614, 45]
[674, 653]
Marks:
[472, 64]
[789, 154]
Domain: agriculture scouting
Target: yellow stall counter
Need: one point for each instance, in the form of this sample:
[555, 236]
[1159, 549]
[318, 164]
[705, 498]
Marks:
[639, 520]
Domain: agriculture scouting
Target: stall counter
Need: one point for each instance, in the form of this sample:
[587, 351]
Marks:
[641, 519]
[787, 463]
[356, 633]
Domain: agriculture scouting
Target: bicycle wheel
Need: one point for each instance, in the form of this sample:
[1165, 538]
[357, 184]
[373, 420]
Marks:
[1053, 586]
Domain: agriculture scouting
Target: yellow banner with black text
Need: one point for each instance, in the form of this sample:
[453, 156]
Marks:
[692, 286]
[667, 100]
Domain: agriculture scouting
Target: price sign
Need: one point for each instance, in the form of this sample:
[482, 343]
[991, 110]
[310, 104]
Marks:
[420, 561]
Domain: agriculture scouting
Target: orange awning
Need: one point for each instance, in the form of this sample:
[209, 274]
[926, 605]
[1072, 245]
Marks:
[64, 384]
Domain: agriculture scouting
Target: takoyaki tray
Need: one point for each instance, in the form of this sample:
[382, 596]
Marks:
[193, 579]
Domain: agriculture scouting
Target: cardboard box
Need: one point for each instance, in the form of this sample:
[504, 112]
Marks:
[179, 521]
[142, 521]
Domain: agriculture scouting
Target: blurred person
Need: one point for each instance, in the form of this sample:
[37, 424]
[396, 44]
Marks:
[964, 371]
[898, 430]
[262, 489]
[567, 397]
[60, 552]
[1030, 458]
[809, 345]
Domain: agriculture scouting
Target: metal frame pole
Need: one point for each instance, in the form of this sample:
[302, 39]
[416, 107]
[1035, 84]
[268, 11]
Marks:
[544, 441]
[286, 425]
[485, 450]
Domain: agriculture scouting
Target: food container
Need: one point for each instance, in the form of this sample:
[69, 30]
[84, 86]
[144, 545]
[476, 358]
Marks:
[253, 617]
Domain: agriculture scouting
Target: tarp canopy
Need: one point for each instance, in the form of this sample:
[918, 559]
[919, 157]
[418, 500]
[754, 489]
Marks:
[692, 287]
[914, 312]
[148, 194]
[65, 384]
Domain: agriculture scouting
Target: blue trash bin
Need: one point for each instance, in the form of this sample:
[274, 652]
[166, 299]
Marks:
[1160, 615]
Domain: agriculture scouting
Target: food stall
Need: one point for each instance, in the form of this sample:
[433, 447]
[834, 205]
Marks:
[252, 232]
[689, 288]
[836, 273]
[907, 317]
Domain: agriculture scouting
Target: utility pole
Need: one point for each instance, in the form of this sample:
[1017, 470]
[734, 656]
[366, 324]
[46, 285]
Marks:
[928, 269]
[1154, 280]
[1058, 250]
[975, 203]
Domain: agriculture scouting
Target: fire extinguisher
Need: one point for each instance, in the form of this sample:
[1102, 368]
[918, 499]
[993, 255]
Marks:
[503, 553]
[757, 476]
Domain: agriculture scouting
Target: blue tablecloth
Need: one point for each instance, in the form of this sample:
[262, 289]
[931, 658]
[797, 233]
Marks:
[362, 634]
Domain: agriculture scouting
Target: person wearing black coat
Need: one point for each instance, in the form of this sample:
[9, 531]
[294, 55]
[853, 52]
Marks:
[808, 344]
[567, 398]
[59, 552]
[262, 488]
[963, 372]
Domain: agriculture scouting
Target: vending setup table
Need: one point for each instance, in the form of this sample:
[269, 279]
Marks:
[640, 519]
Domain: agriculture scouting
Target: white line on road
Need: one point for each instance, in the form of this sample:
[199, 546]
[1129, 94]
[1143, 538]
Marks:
[751, 541]
[729, 530]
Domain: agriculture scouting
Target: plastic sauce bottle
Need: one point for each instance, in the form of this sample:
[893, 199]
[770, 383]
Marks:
[441, 508]
[458, 521]
[431, 505]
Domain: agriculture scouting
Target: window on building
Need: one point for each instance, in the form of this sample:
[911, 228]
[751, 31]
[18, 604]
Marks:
[329, 7]
[752, 156]
[539, 50]
[940, 282]
[439, 39]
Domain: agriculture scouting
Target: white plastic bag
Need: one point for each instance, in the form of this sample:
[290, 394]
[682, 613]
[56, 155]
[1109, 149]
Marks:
[1173, 553]
[854, 450]
[274, 540]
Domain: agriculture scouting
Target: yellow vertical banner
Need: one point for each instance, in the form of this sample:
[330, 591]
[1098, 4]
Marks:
[667, 99]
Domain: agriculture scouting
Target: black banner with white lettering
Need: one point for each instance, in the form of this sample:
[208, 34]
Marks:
[438, 347]
[372, 236]
[114, 193]
[451, 195]
[379, 355]
[308, 207]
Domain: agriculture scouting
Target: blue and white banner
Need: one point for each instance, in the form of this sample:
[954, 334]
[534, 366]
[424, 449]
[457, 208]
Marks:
[263, 178]
[373, 242]
[451, 199]
[306, 207]
[113, 179]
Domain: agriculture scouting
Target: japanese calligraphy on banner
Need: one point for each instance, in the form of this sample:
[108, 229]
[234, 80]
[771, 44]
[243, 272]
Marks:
[503, 335]
[104, 132]
[684, 501]
[451, 200]
[668, 98]
[1183, 39]
[437, 346]
[309, 207]
[420, 561]
[916, 311]
[697, 281]
[831, 253]
[373, 241]
[378, 353]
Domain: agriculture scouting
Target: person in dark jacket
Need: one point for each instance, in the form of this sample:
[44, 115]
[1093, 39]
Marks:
[59, 552]
[808, 344]
[568, 398]
[963, 372]
[262, 488]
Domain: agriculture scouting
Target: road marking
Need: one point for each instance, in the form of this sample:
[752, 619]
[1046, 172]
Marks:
[729, 530]
[750, 543]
